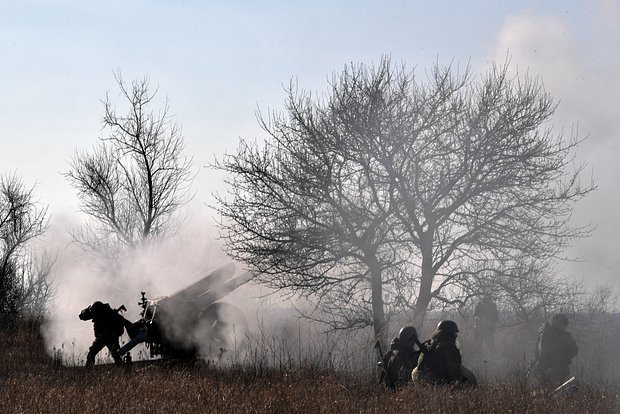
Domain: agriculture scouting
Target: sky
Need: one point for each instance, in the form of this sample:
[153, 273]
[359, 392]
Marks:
[220, 62]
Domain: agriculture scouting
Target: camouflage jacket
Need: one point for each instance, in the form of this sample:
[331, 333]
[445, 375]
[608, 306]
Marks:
[441, 363]
[398, 363]
[555, 347]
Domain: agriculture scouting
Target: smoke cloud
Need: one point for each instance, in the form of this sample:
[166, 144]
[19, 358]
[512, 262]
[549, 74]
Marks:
[159, 269]
[258, 323]
[581, 73]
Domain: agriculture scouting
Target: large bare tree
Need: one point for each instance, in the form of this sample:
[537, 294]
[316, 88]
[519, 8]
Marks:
[389, 193]
[137, 176]
[306, 211]
[21, 282]
[482, 181]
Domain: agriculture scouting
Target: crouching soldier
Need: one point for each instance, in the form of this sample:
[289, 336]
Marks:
[108, 325]
[440, 361]
[401, 359]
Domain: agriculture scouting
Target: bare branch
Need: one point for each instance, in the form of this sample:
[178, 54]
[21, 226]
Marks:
[136, 178]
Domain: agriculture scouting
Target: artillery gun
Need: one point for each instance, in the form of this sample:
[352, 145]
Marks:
[191, 323]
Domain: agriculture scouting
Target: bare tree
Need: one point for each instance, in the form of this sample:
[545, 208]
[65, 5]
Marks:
[527, 291]
[137, 177]
[482, 181]
[390, 191]
[34, 286]
[21, 220]
[601, 300]
[307, 215]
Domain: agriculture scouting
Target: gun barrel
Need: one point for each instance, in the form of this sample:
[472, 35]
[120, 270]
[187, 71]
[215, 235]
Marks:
[209, 289]
[210, 282]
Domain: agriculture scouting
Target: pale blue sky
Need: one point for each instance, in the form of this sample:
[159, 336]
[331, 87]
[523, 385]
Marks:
[218, 61]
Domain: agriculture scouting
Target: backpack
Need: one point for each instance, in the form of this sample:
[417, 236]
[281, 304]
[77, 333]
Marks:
[118, 323]
[112, 319]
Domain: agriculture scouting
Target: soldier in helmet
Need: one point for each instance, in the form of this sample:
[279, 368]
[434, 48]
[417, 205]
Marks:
[401, 359]
[555, 348]
[486, 318]
[108, 325]
[440, 361]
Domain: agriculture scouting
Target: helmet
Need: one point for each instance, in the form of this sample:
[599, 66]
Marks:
[559, 320]
[97, 305]
[407, 333]
[447, 327]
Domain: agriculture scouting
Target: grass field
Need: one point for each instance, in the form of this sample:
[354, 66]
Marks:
[30, 382]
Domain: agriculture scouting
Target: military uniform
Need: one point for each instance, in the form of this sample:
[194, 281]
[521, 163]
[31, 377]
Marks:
[401, 359]
[108, 326]
[486, 318]
[440, 361]
[555, 348]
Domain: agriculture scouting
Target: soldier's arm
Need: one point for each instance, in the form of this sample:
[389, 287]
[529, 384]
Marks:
[86, 314]
[544, 346]
[572, 346]
[453, 362]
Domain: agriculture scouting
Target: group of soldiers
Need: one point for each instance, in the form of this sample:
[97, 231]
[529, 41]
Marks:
[438, 361]
[435, 361]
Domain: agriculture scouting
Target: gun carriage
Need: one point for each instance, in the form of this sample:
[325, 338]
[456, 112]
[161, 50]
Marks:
[193, 322]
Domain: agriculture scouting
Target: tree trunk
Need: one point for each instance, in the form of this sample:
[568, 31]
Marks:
[426, 285]
[378, 313]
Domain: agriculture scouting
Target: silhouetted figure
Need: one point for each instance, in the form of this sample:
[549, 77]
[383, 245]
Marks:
[108, 325]
[401, 359]
[486, 318]
[555, 348]
[440, 361]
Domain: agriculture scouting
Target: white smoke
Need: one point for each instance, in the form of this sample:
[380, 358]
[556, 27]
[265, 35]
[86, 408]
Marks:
[581, 72]
[158, 269]
[266, 317]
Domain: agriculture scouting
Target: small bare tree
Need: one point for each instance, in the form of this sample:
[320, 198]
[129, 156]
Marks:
[136, 178]
[21, 220]
[34, 285]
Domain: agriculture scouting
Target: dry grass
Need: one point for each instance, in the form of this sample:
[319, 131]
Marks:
[30, 383]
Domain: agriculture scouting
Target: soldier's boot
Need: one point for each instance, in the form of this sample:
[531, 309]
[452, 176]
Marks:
[90, 359]
[115, 353]
[468, 377]
[93, 351]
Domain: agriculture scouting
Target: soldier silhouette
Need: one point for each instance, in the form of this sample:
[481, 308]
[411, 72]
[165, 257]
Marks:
[440, 359]
[401, 359]
[108, 325]
[555, 348]
[486, 318]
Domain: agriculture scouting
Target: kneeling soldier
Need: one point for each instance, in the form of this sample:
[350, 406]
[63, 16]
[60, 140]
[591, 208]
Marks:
[440, 361]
